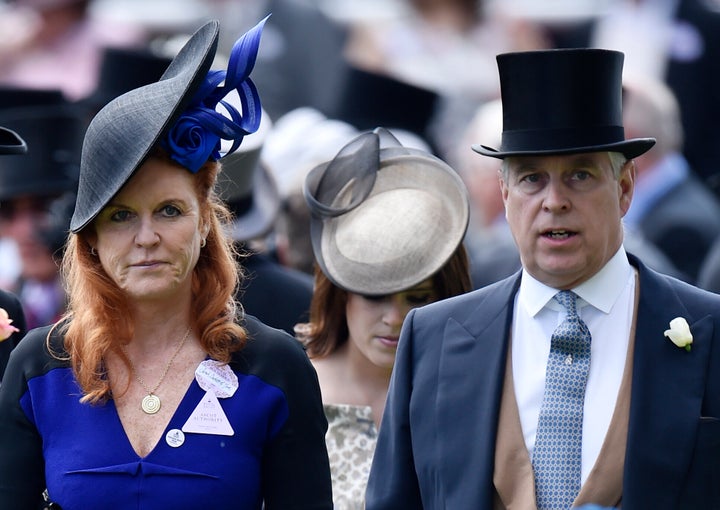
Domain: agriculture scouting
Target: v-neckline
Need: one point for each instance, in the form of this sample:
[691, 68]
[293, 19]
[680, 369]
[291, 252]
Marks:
[182, 413]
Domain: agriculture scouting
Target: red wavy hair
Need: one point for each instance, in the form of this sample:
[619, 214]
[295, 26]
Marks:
[97, 320]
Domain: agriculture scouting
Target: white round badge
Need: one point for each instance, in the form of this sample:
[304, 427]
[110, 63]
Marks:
[175, 438]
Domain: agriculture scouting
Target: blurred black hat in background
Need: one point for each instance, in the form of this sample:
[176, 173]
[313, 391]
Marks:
[54, 139]
[122, 70]
[370, 99]
[16, 97]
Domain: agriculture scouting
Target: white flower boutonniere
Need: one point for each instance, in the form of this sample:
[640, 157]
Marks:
[6, 327]
[679, 333]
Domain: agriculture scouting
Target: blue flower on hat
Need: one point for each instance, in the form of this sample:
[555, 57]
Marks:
[196, 135]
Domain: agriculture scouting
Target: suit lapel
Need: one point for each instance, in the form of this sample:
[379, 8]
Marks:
[666, 400]
[470, 378]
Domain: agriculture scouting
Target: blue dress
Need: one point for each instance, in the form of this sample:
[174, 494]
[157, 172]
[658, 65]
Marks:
[80, 452]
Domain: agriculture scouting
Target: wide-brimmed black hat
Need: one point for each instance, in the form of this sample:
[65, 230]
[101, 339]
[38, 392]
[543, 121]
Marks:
[562, 101]
[11, 143]
[178, 113]
[120, 136]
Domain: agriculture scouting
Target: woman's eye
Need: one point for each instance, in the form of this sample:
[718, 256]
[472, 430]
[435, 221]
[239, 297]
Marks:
[170, 211]
[419, 299]
[376, 299]
[119, 216]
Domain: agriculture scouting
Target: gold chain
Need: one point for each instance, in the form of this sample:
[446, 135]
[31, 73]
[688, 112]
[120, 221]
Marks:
[165, 372]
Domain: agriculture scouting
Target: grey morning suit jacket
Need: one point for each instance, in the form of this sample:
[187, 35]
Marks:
[436, 446]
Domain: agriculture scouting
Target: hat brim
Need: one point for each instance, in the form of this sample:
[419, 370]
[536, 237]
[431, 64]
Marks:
[629, 148]
[11, 143]
[120, 137]
[404, 232]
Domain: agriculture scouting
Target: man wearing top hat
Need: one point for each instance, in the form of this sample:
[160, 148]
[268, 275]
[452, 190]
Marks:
[584, 378]
[12, 327]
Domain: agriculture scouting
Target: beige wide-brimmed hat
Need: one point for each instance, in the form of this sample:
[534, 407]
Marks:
[384, 217]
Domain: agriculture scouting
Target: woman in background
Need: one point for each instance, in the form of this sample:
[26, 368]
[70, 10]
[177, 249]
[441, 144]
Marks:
[387, 230]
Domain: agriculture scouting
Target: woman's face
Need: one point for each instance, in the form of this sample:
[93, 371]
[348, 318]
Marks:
[374, 322]
[148, 237]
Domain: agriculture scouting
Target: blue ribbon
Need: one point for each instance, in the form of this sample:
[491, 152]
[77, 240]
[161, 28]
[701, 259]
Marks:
[196, 135]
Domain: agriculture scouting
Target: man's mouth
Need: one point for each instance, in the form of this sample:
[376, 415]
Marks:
[559, 234]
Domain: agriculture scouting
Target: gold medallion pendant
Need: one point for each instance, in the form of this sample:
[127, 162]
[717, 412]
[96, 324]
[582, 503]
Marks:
[151, 404]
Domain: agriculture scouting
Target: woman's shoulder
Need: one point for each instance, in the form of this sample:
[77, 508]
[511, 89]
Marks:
[264, 338]
[268, 349]
[39, 351]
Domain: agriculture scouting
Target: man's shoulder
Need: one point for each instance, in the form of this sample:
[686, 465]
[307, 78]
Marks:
[655, 285]
[485, 300]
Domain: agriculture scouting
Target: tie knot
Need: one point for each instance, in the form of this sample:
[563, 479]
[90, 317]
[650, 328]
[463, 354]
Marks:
[568, 299]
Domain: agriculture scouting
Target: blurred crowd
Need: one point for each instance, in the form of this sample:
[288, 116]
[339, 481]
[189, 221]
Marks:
[329, 69]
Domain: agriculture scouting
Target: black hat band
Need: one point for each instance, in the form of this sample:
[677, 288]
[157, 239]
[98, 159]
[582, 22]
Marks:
[560, 138]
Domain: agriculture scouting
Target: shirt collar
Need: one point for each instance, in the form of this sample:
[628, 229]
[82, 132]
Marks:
[601, 291]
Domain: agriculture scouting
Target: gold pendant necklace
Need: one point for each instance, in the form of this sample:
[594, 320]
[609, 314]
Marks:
[151, 403]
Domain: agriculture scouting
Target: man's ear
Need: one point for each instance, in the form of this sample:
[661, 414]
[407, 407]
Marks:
[626, 185]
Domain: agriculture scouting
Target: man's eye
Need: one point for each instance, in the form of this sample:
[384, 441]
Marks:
[582, 175]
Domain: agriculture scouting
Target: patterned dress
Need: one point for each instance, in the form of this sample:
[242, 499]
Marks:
[350, 439]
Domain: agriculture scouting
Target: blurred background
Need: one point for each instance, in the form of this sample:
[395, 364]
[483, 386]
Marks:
[327, 69]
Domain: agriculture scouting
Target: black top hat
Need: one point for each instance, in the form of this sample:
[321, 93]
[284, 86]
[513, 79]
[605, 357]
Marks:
[16, 97]
[562, 101]
[54, 137]
[11, 143]
[125, 69]
[371, 99]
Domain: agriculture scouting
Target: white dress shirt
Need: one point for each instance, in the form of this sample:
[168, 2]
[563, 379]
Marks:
[606, 304]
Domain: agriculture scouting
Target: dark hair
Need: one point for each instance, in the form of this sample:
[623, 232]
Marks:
[328, 328]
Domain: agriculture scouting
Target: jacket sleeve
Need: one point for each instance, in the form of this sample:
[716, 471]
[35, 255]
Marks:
[22, 477]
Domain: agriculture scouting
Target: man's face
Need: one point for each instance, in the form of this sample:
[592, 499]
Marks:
[565, 213]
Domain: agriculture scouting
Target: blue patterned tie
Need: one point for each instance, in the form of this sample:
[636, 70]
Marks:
[557, 456]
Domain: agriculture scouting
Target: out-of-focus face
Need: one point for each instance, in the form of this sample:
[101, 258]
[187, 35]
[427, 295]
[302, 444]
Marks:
[565, 214]
[374, 322]
[22, 219]
[149, 235]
